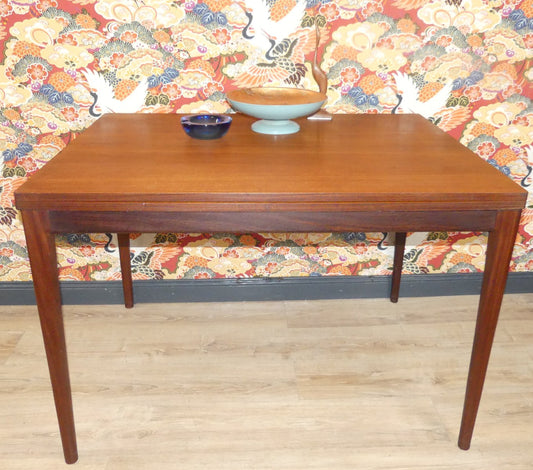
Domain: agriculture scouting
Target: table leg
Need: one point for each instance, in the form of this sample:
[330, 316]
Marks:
[399, 249]
[42, 253]
[125, 267]
[499, 252]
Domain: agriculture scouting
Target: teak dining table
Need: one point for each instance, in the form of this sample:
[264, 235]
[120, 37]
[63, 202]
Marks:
[142, 173]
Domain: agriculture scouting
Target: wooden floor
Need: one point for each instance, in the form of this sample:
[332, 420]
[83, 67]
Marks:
[332, 385]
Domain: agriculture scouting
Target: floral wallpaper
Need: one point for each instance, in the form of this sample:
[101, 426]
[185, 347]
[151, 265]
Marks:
[465, 65]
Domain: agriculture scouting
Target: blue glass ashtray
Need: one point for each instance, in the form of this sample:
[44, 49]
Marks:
[206, 126]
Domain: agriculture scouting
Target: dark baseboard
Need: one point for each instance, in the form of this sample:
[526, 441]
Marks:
[294, 288]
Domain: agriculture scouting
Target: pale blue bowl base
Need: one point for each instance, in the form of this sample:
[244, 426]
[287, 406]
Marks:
[275, 127]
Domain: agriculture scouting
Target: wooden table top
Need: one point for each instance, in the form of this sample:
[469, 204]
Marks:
[371, 162]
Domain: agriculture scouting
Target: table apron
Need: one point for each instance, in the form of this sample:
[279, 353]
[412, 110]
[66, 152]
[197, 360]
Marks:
[282, 221]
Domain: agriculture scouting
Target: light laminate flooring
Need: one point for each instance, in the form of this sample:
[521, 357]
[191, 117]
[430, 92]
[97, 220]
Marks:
[330, 385]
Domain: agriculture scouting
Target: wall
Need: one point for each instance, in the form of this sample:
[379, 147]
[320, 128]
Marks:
[188, 53]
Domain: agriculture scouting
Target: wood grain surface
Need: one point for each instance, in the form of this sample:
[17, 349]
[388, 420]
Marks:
[353, 159]
[341, 384]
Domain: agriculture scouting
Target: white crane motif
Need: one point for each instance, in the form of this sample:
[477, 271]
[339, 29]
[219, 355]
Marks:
[104, 98]
[408, 97]
[261, 28]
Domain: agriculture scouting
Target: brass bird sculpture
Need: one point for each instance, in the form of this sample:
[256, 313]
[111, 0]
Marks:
[320, 78]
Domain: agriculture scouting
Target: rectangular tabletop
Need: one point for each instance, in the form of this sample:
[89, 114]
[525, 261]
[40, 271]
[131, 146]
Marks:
[353, 162]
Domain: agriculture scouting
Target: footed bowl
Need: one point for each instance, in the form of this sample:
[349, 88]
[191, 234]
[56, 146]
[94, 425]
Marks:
[275, 107]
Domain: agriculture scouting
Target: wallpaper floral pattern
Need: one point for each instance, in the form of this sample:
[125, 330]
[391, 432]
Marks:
[164, 56]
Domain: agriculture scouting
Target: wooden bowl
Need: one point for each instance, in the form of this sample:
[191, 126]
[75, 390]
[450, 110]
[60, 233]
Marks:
[275, 107]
